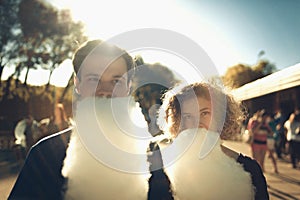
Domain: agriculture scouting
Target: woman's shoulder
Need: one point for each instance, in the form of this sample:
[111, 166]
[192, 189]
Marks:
[251, 165]
[248, 162]
[258, 179]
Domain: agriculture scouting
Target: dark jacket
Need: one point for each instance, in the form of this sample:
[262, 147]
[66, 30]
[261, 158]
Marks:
[40, 177]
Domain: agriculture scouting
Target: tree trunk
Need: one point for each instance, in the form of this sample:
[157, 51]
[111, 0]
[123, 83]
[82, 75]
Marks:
[48, 83]
[1, 71]
[7, 88]
[66, 89]
[26, 77]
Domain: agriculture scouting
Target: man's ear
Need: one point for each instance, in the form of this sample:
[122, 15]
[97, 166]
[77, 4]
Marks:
[129, 87]
[76, 83]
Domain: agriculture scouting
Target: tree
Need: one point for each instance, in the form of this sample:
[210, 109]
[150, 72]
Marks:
[49, 36]
[238, 75]
[263, 68]
[10, 32]
[66, 89]
[241, 74]
[38, 36]
[44, 38]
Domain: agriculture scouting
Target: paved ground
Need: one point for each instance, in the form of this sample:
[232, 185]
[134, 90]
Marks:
[6, 184]
[283, 186]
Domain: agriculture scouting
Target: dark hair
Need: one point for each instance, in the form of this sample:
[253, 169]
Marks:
[100, 47]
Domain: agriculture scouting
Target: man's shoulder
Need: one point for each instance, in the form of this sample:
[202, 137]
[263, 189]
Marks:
[56, 140]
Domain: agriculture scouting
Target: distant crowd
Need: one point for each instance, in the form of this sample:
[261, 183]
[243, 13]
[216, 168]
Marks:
[28, 131]
[274, 134]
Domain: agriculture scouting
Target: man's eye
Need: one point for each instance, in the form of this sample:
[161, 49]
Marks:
[118, 81]
[187, 117]
[93, 79]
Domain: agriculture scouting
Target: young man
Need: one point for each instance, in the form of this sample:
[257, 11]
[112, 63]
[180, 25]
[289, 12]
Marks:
[101, 71]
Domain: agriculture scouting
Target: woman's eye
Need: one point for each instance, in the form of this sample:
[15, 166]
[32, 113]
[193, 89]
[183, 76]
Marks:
[203, 114]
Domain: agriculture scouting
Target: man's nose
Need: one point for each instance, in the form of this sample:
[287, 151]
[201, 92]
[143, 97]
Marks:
[104, 89]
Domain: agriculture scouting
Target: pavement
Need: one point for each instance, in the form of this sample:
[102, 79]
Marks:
[286, 184]
[282, 186]
[6, 183]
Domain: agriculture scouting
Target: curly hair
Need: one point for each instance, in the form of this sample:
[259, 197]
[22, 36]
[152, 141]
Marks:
[227, 113]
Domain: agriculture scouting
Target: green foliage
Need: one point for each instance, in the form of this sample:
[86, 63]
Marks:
[9, 34]
[36, 36]
[49, 36]
[238, 75]
[241, 74]
[263, 68]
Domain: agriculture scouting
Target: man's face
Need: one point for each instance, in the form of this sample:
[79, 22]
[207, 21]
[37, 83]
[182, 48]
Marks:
[99, 76]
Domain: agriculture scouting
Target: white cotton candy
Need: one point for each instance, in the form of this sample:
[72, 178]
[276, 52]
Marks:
[213, 176]
[107, 154]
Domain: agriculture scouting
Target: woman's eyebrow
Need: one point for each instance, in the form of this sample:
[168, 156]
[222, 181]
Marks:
[203, 109]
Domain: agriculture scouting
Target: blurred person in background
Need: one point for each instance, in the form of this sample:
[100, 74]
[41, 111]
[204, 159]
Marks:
[260, 130]
[292, 126]
[280, 138]
[271, 140]
[149, 84]
[59, 121]
[27, 133]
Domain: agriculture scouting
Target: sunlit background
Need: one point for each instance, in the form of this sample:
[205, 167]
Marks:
[230, 32]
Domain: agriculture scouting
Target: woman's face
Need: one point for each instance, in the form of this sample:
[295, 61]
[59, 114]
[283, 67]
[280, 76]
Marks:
[194, 116]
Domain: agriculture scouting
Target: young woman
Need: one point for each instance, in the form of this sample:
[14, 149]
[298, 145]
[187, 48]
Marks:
[205, 106]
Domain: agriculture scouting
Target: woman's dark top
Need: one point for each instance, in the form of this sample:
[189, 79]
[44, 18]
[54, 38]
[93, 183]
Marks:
[160, 187]
[258, 179]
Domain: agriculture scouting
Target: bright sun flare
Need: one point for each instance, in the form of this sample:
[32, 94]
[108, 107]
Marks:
[105, 19]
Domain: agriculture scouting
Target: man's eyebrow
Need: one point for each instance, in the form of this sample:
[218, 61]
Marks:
[92, 74]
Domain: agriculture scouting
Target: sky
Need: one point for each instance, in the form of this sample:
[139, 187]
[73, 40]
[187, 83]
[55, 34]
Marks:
[230, 31]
